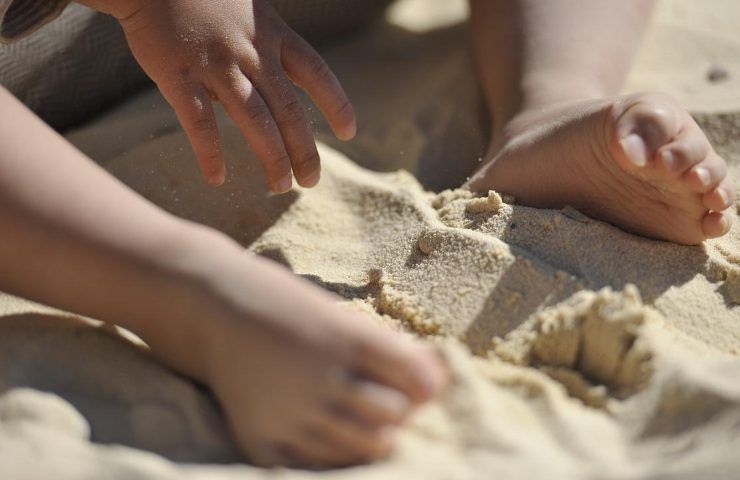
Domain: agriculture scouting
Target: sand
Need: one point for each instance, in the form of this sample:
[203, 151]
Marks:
[576, 350]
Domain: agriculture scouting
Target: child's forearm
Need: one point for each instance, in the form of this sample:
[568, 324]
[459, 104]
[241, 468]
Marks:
[531, 52]
[75, 238]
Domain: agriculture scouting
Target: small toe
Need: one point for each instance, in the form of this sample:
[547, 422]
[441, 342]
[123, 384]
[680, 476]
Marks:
[412, 369]
[351, 441]
[721, 198]
[716, 224]
[314, 453]
[688, 149]
[706, 175]
[268, 455]
[373, 405]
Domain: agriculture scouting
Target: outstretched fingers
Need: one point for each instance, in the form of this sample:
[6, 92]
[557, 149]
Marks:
[248, 109]
[192, 103]
[282, 100]
[310, 72]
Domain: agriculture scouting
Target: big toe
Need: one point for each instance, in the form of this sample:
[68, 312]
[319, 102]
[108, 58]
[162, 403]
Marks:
[641, 125]
[413, 369]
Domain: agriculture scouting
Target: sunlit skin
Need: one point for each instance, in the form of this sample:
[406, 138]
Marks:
[562, 134]
[242, 54]
[303, 381]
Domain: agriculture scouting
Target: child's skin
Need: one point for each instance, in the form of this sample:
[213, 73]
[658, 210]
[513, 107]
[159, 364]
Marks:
[562, 135]
[303, 381]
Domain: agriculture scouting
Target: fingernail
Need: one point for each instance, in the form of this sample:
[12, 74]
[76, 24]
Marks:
[217, 179]
[349, 132]
[669, 160]
[284, 184]
[311, 180]
[635, 149]
[704, 177]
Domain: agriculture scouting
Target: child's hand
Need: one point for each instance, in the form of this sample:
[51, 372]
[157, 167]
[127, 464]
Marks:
[241, 53]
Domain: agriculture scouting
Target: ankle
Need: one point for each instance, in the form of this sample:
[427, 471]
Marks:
[541, 94]
[521, 121]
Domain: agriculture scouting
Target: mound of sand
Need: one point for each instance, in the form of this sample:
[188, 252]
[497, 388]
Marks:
[576, 350]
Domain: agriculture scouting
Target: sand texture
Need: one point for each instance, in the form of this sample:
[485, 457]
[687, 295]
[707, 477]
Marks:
[577, 351]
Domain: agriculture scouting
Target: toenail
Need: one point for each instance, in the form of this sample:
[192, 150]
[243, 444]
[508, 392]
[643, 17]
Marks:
[724, 224]
[704, 176]
[427, 379]
[634, 148]
[669, 160]
[725, 196]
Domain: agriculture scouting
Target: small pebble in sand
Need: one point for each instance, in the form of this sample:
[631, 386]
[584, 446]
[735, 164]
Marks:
[429, 241]
[375, 276]
[717, 73]
[490, 204]
[425, 244]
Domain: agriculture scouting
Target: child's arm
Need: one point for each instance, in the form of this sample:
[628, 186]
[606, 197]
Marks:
[240, 53]
[75, 238]
[295, 372]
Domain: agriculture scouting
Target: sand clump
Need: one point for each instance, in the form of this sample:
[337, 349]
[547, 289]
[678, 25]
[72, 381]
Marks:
[488, 204]
[591, 344]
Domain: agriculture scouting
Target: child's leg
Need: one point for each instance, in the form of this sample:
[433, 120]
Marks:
[301, 379]
[552, 72]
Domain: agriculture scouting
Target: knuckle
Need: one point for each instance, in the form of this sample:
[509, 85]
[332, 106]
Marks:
[257, 114]
[361, 349]
[203, 124]
[682, 152]
[281, 165]
[291, 112]
[318, 67]
[345, 108]
[220, 54]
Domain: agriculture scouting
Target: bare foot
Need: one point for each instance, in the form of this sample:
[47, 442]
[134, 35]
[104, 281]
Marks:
[307, 383]
[639, 162]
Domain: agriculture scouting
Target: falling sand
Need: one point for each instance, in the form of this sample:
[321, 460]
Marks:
[576, 350]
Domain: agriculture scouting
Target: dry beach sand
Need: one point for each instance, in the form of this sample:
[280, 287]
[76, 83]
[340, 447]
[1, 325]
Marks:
[596, 353]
